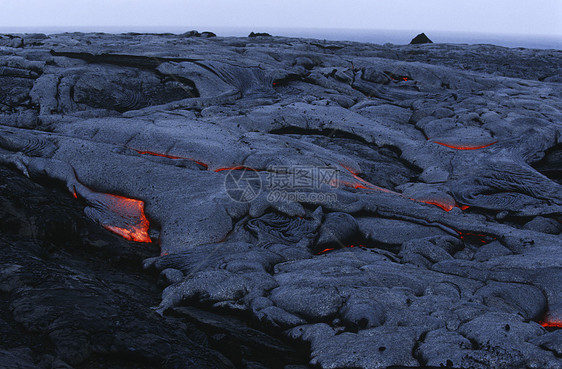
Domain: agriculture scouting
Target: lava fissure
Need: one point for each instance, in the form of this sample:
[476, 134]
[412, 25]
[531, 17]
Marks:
[205, 165]
[464, 147]
[551, 323]
[479, 237]
[239, 167]
[363, 184]
[330, 133]
[173, 157]
[396, 77]
[136, 61]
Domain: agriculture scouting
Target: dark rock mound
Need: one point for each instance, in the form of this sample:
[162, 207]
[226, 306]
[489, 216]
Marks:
[192, 33]
[259, 34]
[208, 34]
[421, 39]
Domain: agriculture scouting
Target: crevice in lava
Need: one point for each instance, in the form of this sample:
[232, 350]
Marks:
[239, 167]
[465, 235]
[363, 184]
[57, 93]
[136, 61]
[464, 147]
[476, 238]
[202, 164]
[389, 250]
[331, 133]
[287, 80]
[551, 164]
[173, 157]
[192, 91]
[396, 77]
[327, 47]
[159, 154]
[336, 133]
[415, 349]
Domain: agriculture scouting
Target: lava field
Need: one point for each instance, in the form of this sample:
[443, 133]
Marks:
[191, 201]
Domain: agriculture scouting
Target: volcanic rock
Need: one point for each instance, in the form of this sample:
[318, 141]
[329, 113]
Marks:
[421, 39]
[377, 206]
[208, 34]
[259, 34]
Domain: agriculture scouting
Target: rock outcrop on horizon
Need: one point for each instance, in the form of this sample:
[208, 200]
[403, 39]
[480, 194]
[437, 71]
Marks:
[421, 39]
[259, 34]
[382, 205]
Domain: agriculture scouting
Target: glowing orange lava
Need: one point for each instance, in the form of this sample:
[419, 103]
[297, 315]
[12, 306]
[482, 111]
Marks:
[332, 249]
[446, 207]
[241, 167]
[551, 323]
[132, 210]
[464, 147]
[363, 184]
[158, 154]
[170, 156]
[482, 238]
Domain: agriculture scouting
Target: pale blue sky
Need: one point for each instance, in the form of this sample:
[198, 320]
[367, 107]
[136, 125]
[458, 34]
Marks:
[539, 17]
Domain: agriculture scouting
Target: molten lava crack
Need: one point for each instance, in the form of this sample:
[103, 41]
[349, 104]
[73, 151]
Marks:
[205, 165]
[142, 152]
[240, 167]
[363, 184]
[551, 323]
[465, 146]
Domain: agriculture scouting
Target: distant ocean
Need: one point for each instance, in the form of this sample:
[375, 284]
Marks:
[373, 36]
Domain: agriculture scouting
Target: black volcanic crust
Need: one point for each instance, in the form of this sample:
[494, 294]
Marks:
[375, 206]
